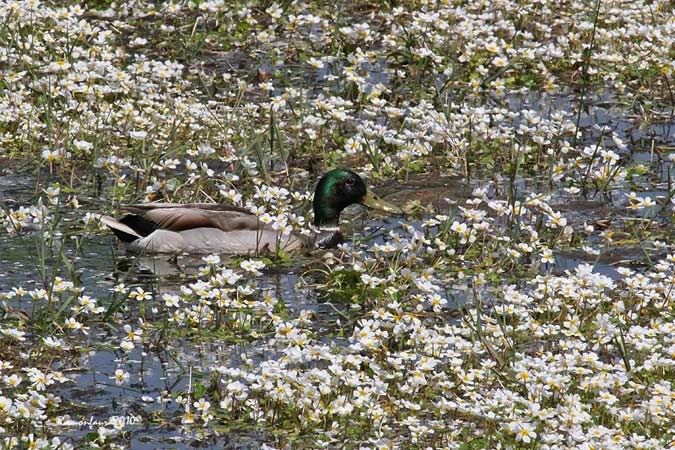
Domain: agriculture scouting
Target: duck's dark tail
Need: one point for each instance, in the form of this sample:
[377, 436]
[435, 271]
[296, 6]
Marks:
[123, 231]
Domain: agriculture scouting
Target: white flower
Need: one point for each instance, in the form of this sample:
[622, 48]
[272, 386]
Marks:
[120, 377]
[202, 405]
[252, 266]
[83, 145]
[212, 260]
[50, 155]
[138, 42]
[316, 63]
[138, 135]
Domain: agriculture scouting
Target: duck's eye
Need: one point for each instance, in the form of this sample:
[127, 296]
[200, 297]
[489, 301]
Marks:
[350, 181]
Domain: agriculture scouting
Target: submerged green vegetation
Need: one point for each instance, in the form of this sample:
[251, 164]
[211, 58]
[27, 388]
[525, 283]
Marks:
[525, 299]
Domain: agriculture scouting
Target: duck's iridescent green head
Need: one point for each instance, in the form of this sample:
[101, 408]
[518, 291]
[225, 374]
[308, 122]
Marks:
[340, 188]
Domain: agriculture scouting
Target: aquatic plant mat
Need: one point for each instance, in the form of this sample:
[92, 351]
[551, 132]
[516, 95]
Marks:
[524, 300]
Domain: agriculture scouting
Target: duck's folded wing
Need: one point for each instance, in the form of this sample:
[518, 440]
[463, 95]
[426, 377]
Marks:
[175, 217]
[204, 206]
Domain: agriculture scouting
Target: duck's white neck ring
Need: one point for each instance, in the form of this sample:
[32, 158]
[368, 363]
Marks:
[329, 229]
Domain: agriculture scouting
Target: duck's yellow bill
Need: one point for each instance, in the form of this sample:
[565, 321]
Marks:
[373, 201]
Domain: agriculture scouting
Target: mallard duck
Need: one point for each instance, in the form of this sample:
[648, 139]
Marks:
[212, 228]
